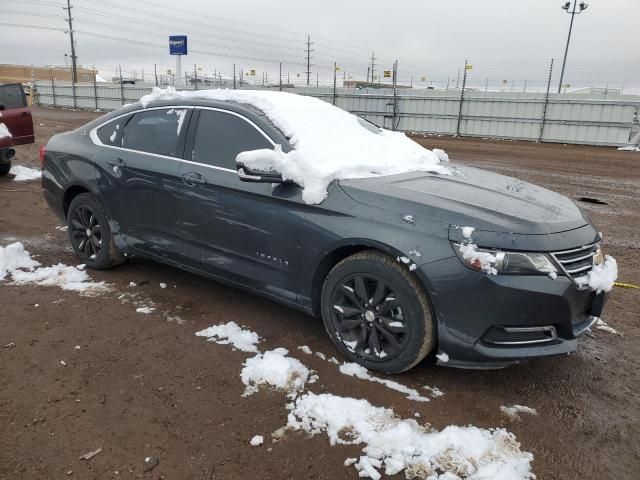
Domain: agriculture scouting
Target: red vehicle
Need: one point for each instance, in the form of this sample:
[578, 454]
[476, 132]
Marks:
[15, 117]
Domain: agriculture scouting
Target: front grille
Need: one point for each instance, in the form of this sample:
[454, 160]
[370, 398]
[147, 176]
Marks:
[578, 262]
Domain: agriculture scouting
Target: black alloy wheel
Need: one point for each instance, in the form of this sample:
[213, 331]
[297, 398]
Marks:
[368, 317]
[377, 312]
[85, 232]
[90, 233]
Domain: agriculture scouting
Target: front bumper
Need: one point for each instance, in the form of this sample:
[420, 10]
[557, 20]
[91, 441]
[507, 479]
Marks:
[491, 321]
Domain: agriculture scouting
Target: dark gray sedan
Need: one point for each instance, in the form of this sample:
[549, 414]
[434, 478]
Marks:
[473, 268]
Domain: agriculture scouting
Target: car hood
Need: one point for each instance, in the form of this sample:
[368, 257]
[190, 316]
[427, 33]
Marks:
[470, 197]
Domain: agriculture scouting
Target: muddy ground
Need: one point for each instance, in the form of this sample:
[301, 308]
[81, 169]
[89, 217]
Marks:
[144, 384]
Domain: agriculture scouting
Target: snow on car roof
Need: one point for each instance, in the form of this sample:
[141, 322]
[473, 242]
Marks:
[328, 142]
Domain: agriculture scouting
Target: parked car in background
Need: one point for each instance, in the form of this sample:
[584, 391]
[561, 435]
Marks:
[16, 123]
[418, 257]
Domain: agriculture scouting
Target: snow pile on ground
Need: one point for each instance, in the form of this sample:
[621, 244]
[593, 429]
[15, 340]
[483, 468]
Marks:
[231, 334]
[514, 411]
[257, 440]
[358, 371]
[630, 148]
[395, 444]
[14, 257]
[601, 277]
[4, 131]
[60, 275]
[483, 261]
[604, 326]
[328, 142]
[274, 368]
[24, 174]
[16, 262]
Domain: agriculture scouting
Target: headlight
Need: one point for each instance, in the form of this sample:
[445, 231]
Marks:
[495, 262]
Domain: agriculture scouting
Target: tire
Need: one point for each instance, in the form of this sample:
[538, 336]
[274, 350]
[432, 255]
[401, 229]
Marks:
[397, 307]
[97, 250]
[4, 168]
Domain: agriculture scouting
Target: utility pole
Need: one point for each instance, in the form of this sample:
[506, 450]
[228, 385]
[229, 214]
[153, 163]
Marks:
[373, 65]
[546, 103]
[234, 76]
[464, 82]
[335, 72]
[195, 76]
[74, 77]
[280, 76]
[155, 73]
[308, 50]
[583, 6]
[368, 70]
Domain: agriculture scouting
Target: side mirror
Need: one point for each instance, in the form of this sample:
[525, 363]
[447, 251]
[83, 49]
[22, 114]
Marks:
[1, 106]
[260, 176]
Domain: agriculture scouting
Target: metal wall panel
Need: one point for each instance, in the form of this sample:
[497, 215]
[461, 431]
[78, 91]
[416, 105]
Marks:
[596, 119]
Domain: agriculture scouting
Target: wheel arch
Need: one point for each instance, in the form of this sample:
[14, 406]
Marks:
[339, 252]
[71, 192]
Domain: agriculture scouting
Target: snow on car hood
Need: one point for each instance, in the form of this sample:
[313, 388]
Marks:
[328, 142]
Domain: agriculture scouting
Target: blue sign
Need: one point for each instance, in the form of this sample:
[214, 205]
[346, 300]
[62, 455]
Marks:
[177, 45]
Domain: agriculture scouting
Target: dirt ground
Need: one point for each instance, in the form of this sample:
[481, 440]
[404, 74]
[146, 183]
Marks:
[144, 385]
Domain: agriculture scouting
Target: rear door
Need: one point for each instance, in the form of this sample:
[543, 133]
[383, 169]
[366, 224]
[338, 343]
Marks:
[140, 162]
[16, 114]
[246, 232]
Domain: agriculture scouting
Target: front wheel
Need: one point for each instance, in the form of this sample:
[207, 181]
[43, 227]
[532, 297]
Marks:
[4, 168]
[377, 313]
[90, 234]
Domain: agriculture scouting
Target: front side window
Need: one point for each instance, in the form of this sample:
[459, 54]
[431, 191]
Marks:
[221, 136]
[11, 96]
[154, 131]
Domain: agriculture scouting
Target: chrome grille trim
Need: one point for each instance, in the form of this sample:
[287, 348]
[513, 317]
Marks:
[571, 265]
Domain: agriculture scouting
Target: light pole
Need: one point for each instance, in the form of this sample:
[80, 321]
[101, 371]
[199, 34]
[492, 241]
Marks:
[582, 7]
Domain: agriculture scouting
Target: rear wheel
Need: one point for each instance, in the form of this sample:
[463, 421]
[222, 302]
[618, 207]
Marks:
[377, 313]
[90, 234]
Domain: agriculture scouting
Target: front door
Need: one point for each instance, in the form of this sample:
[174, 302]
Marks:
[139, 177]
[245, 232]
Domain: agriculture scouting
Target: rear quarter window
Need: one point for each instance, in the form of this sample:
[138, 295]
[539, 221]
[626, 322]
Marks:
[111, 133]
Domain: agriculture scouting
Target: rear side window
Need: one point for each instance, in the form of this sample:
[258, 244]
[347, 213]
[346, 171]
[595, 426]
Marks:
[221, 136]
[154, 131]
[12, 97]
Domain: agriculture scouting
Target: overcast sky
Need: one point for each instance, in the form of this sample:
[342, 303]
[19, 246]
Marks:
[510, 40]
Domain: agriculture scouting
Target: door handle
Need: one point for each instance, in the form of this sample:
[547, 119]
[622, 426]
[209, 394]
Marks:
[193, 178]
[116, 162]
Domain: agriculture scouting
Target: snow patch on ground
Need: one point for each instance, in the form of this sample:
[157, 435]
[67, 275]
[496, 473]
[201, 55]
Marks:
[604, 326]
[358, 371]
[257, 440]
[601, 277]
[393, 445]
[145, 309]
[514, 411]
[17, 263]
[24, 174]
[231, 334]
[305, 349]
[275, 369]
[14, 257]
[328, 142]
